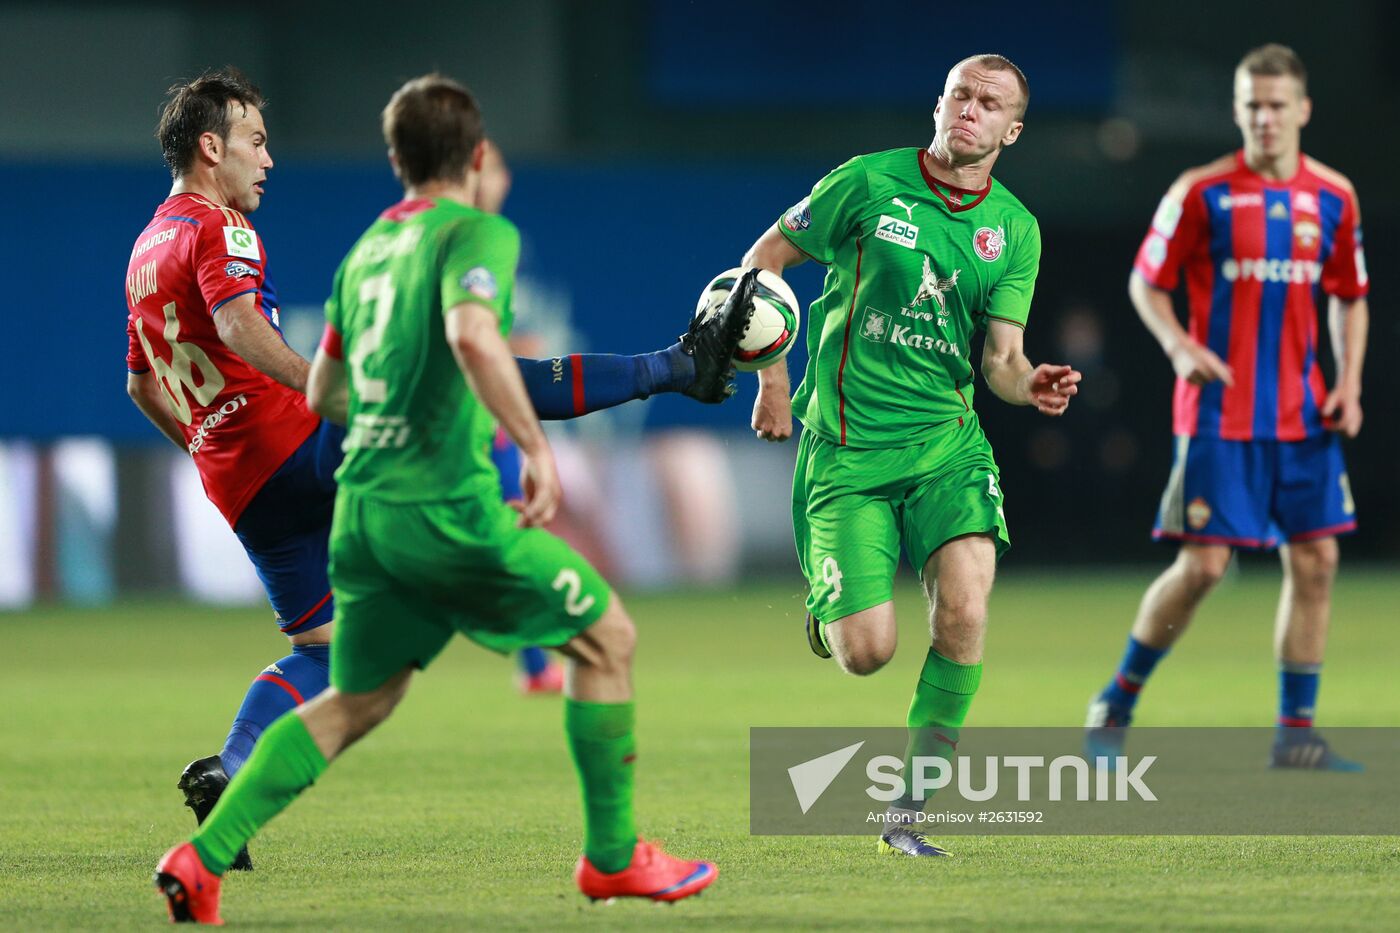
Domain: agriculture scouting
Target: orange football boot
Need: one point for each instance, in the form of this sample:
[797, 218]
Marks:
[191, 890]
[652, 874]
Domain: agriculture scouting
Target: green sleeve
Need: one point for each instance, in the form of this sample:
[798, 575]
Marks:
[1010, 300]
[820, 222]
[479, 265]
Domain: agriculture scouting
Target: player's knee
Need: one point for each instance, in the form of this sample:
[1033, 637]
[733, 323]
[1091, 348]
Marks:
[860, 652]
[965, 612]
[1203, 567]
[863, 662]
[1312, 565]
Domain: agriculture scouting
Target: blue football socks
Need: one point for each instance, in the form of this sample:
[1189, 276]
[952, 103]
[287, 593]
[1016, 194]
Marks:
[574, 385]
[1138, 661]
[1297, 694]
[282, 686]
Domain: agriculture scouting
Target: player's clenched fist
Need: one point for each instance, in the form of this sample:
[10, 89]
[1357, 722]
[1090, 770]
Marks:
[772, 415]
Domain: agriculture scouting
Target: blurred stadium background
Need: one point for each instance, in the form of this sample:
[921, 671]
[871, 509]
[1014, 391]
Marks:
[651, 142]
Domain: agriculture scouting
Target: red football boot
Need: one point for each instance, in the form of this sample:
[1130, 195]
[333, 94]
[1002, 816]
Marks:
[652, 874]
[191, 889]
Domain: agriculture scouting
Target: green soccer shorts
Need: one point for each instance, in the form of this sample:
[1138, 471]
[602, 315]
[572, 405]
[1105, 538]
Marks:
[407, 576]
[852, 508]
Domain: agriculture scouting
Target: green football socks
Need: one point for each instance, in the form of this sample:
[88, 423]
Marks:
[603, 745]
[939, 708]
[285, 762]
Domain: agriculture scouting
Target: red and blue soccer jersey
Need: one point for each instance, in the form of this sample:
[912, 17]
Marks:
[194, 257]
[1258, 256]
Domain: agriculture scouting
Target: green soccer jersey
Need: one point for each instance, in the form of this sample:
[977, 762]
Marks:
[915, 268]
[416, 433]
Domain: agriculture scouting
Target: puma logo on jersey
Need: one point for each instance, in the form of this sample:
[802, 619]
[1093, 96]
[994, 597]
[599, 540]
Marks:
[908, 208]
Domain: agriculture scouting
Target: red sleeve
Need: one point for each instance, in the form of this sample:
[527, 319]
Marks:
[1178, 229]
[1344, 272]
[228, 260]
[135, 354]
[330, 343]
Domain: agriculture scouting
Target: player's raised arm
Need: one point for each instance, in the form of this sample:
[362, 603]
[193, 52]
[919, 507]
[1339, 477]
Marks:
[473, 333]
[1009, 374]
[245, 331]
[772, 411]
[1191, 361]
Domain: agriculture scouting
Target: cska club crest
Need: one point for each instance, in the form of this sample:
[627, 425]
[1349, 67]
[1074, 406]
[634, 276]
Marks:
[988, 243]
[1198, 513]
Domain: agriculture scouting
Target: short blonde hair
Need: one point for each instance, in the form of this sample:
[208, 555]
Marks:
[1274, 60]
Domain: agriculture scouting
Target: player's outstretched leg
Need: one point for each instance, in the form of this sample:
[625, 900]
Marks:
[712, 342]
[598, 720]
[700, 365]
[288, 758]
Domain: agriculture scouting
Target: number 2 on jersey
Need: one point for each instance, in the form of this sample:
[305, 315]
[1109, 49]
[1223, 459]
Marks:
[571, 585]
[377, 290]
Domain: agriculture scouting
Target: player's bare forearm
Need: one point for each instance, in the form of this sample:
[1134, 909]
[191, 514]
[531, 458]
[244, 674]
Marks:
[773, 252]
[144, 392]
[1190, 360]
[245, 331]
[327, 389]
[1005, 373]
[1013, 378]
[772, 410]
[1348, 320]
[486, 361]
[1154, 307]
[494, 376]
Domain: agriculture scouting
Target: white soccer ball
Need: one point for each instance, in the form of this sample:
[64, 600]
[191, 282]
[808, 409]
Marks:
[773, 328]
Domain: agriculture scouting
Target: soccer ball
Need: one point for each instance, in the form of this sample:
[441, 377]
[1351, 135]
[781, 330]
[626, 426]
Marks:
[773, 328]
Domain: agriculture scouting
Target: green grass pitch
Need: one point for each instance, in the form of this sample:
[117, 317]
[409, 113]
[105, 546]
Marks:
[462, 812]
